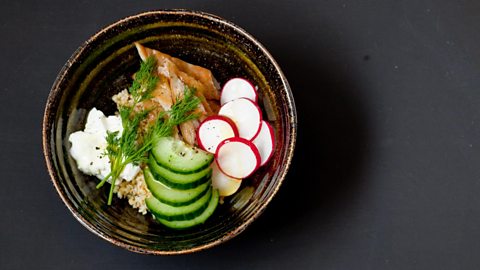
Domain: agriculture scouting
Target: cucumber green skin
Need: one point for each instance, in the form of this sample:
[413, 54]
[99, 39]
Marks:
[173, 197]
[176, 180]
[193, 161]
[185, 224]
[171, 213]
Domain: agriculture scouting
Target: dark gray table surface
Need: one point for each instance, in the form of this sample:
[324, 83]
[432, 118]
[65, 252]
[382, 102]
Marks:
[386, 173]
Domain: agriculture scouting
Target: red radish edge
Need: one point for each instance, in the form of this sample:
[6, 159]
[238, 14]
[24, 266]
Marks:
[259, 113]
[272, 137]
[260, 126]
[242, 140]
[251, 84]
[261, 119]
[216, 117]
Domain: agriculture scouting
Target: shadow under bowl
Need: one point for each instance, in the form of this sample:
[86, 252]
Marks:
[103, 66]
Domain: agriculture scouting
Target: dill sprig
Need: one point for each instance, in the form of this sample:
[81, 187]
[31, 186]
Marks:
[133, 146]
[181, 111]
[145, 81]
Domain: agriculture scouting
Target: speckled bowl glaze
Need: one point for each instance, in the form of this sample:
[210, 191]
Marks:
[103, 66]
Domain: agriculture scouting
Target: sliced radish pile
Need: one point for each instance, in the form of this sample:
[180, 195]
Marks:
[225, 184]
[237, 157]
[245, 114]
[265, 142]
[238, 88]
[213, 130]
[239, 138]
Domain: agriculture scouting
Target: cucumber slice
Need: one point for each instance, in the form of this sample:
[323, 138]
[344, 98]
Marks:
[185, 224]
[172, 196]
[176, 180]
[180, 157]
[168, 212]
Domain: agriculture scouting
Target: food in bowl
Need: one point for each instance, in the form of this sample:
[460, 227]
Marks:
[104, 65]
[176, 145]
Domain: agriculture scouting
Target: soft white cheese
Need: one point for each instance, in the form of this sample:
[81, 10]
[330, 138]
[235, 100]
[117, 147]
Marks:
[88, 146]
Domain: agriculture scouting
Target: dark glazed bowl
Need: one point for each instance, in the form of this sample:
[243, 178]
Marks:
[103, 66]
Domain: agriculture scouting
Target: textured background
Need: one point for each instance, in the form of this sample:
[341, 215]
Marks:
[386, 171]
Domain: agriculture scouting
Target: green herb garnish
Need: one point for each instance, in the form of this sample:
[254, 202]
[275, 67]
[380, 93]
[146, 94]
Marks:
[145, 81]
[133, 145]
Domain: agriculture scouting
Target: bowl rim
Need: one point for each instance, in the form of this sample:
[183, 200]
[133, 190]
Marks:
[51, 105]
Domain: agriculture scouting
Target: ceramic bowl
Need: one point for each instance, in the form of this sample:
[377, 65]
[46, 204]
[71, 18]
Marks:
[103, 66]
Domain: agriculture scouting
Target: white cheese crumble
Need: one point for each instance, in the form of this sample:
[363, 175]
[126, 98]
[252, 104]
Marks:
[88, 146]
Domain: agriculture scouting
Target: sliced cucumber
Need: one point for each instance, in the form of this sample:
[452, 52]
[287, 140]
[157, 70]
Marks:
[177, 180]
[172, 196]
[180, 157]
[168, 212]
[185, 224]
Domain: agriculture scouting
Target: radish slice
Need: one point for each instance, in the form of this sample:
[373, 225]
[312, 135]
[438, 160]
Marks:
[213, 130]
[225, 184]
[264, 142]
[237, 157]
[237, 88]
[245, 114]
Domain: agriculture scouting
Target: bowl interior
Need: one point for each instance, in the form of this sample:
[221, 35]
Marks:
[103, 66]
